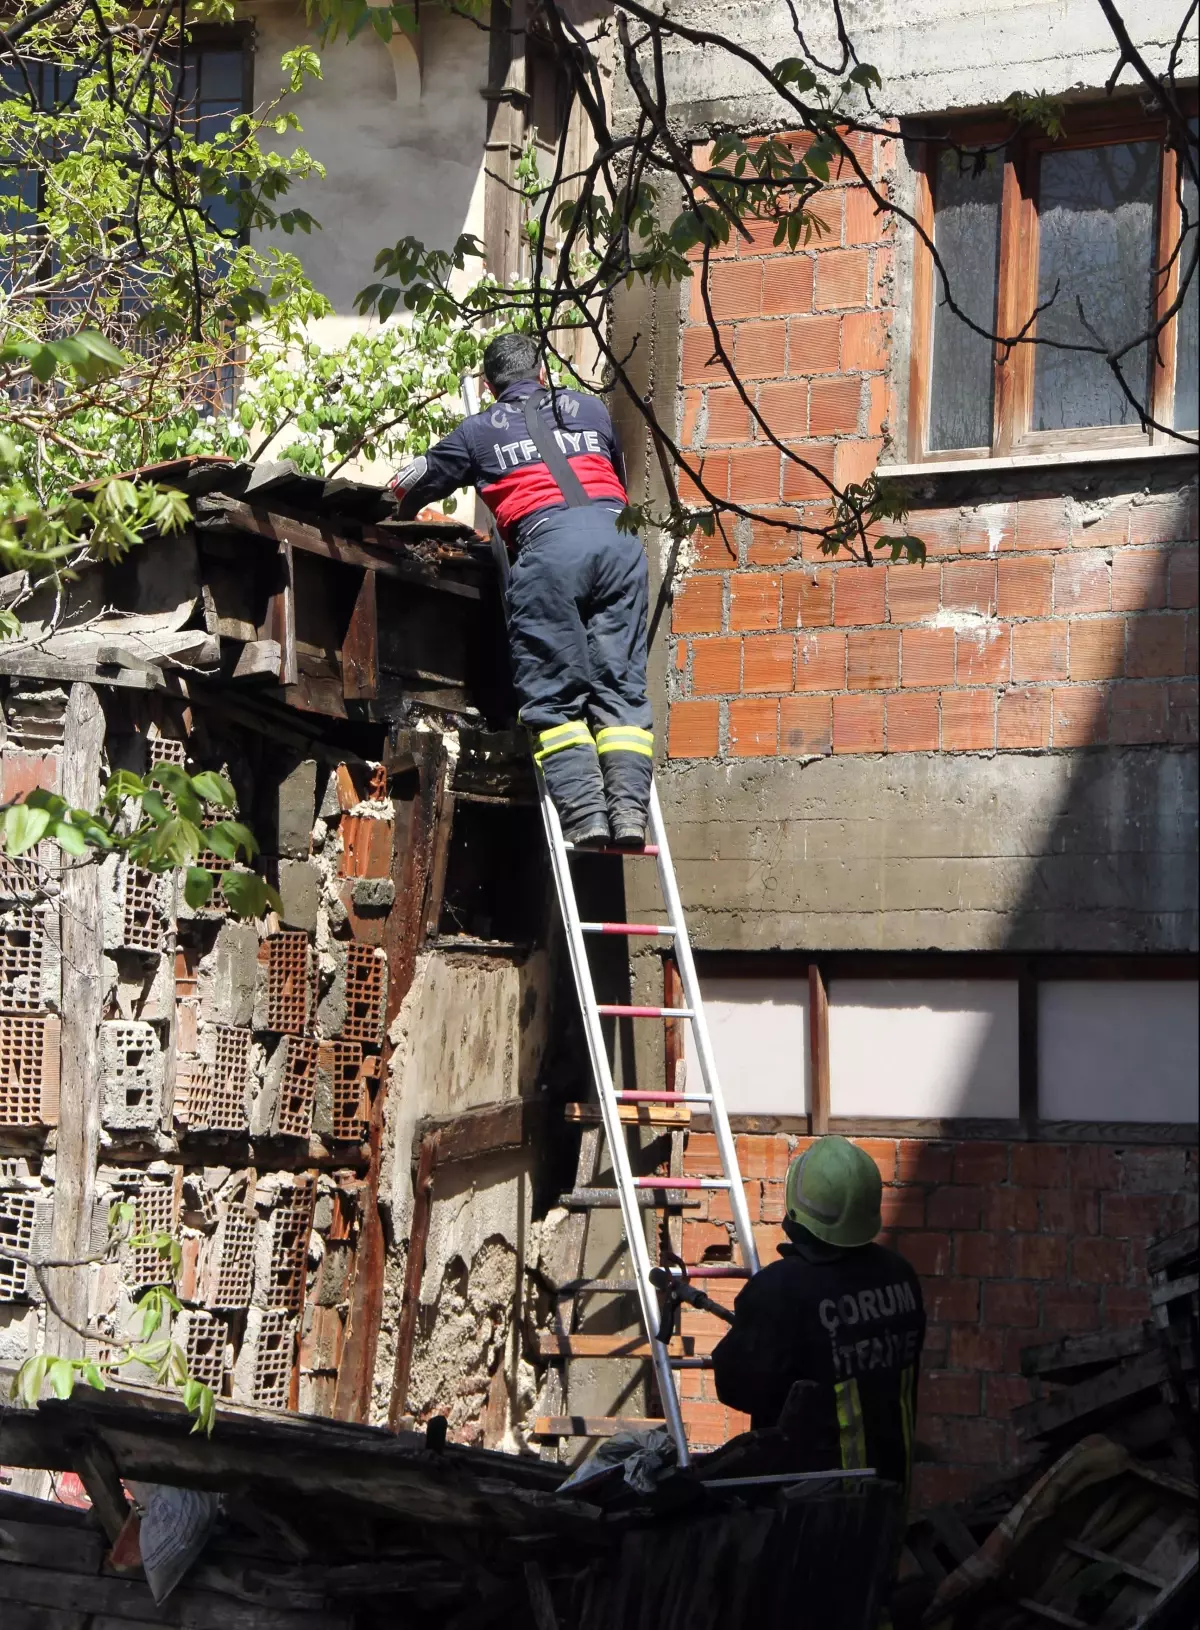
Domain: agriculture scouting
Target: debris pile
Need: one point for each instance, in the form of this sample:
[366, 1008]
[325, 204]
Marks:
[328, 1526]
[1104, 1531]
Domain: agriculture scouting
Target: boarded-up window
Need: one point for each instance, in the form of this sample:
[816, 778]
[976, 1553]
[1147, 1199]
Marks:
[759, 1030]
[1113, 1050]
[923, 1049]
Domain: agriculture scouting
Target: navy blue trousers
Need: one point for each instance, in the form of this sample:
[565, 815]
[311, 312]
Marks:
[577, 600]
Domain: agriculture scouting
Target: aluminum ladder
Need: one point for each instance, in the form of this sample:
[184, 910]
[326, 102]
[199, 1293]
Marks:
[610, 1100]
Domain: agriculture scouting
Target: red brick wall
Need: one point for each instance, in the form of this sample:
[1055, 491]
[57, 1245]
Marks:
[1042, 620]
[1015, 1244]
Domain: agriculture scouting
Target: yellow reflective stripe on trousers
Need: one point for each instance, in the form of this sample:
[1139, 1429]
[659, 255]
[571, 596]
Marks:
[906, 1423]
[852, 1435]
[558, 736]
[625, 738]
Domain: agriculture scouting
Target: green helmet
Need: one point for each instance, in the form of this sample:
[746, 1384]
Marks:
[834, 1190]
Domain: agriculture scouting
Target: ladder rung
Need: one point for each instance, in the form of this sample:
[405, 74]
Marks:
[681, 1183]
[611, 1287]
[627, 1287]
[627, 928]
[591, 1426]
[589, 1199]
[650, 851]
[705, 1363]
[618, 1010]
[662, 1097]
[551, 1345]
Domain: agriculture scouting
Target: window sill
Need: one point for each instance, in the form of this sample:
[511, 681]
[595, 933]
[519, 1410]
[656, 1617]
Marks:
[1066, 458]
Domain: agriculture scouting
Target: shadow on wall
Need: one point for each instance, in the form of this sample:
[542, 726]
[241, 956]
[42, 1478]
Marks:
[401, 134]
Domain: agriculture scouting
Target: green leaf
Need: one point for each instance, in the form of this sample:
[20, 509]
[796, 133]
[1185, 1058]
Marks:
[170, 776]
[197, 887]
[123, 784]
[214, 789]
[249, 895]
[24, 825]
[94, 1376]
[228, 838]
[27, 1383]
[70, 838]
[62, 1377]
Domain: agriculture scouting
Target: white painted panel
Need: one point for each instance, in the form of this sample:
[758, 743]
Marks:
[923, 1048]
[1118, 1050]
[759, 1030]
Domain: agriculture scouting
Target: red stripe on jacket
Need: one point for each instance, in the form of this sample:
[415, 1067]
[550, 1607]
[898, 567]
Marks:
[530, 487]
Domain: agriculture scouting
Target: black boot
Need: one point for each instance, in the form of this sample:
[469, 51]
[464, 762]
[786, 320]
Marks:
[626, 757]
[567, 756]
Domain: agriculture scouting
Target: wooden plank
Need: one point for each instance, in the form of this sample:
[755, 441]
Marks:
[1052, 1614]
[418, 1236]
[592, 1426]
[99, 1476]
[631, 1114]
[1126, 1380]
[20, 1616]
[1171, 1290]
[42, 665]
[360, 647]
[552, 1345]
[1130, 1569]
[130, 1600]
[440, 859]
[259, 659]
[818, 1052]
[923, 280]
[40, 1545]
[1164, 1253]
[1163, 358]
[953, 1532]
[82, 982]
[1027, 1046]
[317, 541]
[1074, 1352]
[281, 618]
[482, 1131]
[541, 1602]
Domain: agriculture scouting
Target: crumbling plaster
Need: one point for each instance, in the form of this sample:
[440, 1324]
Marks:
[471, 1032]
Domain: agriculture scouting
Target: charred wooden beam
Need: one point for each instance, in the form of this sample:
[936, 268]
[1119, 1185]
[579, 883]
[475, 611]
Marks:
[321, 541]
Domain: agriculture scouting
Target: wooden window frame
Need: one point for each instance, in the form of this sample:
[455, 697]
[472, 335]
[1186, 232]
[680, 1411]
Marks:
[814, 972]
[1017, 279]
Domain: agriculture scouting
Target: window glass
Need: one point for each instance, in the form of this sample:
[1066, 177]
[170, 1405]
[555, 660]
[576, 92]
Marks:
[1118, 1050]
[759, 1031]
[966, 232]
[1096, 212]
[1187, 328]
[936, 1049]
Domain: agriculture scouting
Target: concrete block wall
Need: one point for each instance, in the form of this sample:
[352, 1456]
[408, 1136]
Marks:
[1015, 1243]
[1057, 609]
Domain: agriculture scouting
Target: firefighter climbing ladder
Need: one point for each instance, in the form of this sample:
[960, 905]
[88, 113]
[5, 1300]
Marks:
[708, 1098]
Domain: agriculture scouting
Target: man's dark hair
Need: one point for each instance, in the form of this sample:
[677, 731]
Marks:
[508, 358]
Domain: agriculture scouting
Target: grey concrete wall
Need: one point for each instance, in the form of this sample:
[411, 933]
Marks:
[400, 130]
[933, 55]
[1080, 851]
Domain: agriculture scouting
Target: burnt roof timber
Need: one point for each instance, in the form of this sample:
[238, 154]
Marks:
[371, 555]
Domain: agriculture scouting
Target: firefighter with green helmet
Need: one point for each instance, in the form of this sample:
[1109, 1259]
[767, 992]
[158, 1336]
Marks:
[837, 1309]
